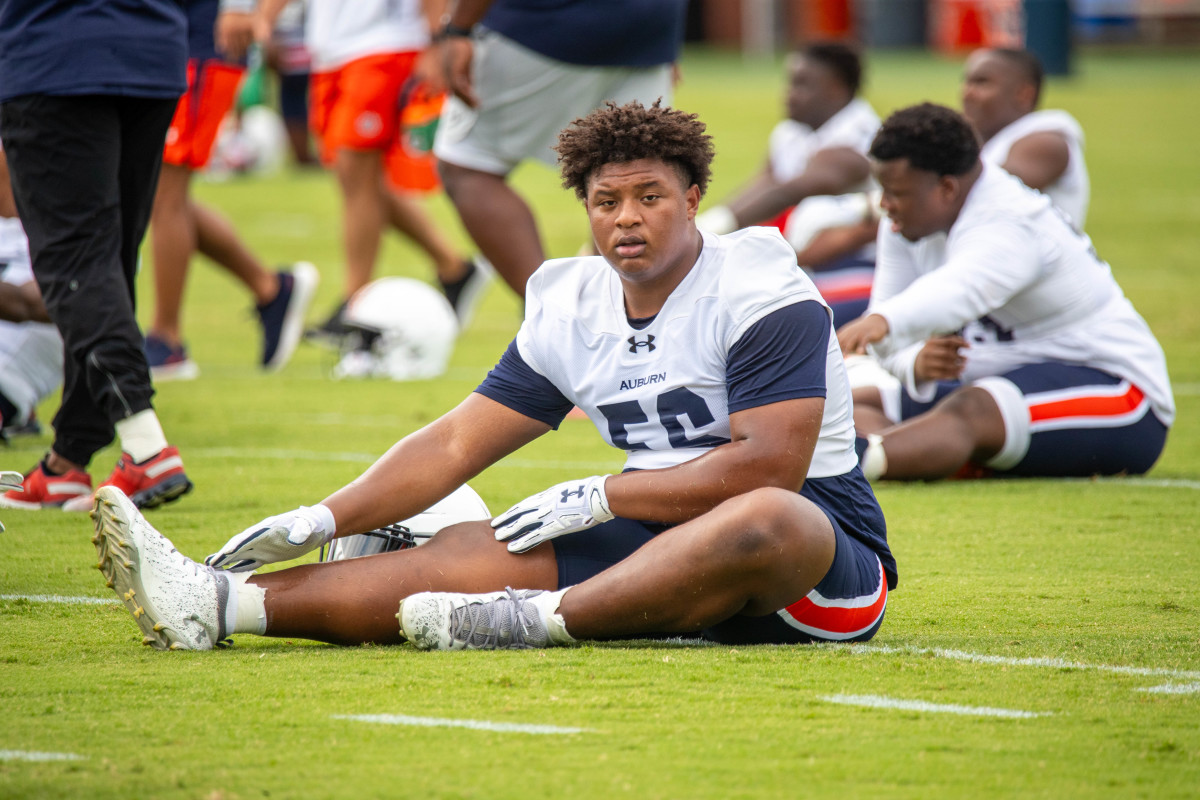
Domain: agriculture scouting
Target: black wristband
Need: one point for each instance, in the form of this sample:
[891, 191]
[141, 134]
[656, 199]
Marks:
[452, 31]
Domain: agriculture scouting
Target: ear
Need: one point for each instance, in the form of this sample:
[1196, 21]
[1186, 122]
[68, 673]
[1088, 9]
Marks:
[1027, 96]
[692, 198]
[948, 187]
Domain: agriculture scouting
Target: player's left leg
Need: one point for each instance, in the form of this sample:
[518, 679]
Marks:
[751, 556]
[966, 425]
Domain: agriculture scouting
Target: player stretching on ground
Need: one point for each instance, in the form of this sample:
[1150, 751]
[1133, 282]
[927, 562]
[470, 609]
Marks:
[710, 360]
[986, 295]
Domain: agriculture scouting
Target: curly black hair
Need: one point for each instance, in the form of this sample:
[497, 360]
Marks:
[932, 137]
[618, 134]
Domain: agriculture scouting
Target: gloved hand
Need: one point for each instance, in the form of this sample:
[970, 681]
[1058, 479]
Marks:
[566, 508]
[278, 538]
[10, 482]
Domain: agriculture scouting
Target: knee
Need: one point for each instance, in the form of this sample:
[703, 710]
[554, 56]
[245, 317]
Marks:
[970, 405]
[760, 522]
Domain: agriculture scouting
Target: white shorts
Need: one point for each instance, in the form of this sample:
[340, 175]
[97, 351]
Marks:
[526, 99]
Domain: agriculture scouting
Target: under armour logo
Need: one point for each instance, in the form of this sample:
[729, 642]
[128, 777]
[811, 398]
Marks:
[568, 492]
[634, 344]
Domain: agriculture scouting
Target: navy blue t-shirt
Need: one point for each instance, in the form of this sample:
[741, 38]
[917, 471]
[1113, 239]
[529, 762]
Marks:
[610, 33]
[136, 48]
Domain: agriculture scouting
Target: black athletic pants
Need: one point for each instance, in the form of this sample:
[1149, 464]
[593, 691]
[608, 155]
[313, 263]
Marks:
[84, 172]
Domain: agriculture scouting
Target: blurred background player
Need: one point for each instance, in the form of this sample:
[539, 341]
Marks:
[519, 73]
[181, 226]
[1000, 95]
[1038, 365]
[84, 133]
[367, 57]
[815, 173]
[286, 55]
[31, 355]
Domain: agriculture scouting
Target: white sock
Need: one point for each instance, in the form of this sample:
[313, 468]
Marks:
[556, 629]
[249, 599]
[874, 460]
[141, 435]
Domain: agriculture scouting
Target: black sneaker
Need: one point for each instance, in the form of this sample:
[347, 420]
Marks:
[333, 331]
[465, 293]
[283, 318]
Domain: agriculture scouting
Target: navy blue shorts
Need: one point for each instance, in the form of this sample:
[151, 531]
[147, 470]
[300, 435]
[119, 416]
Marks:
[846, 606]
[1065, 420]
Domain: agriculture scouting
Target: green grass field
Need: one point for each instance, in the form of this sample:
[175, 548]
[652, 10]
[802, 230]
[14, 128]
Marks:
[1044, 640]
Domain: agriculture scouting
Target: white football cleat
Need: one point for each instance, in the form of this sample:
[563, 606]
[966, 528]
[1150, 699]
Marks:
[506, 620]
[178, 603]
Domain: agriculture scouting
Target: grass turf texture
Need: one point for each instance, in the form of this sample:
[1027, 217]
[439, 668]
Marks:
[1090, 573]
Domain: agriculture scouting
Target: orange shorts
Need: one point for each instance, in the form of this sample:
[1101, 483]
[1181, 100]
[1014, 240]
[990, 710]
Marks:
[212, 88]
[357, 106]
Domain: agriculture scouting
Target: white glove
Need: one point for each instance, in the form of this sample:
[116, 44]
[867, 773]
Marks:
[10, 482]
[278, 538]
[566, 508]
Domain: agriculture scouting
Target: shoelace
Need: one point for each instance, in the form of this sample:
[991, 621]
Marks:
[473, 615]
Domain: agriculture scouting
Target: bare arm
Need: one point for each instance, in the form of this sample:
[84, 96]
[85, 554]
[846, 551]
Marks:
[22, 303]
[458, 51]
[836, 170]
[1038, 159]
[837, 242]
[8, 206]
[427, 465]
[771, 445]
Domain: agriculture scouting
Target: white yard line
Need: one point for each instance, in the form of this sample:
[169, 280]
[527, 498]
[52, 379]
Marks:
[879, 701]
[1051, 663]
[31, 755]
[59, 598]
[1173, 688]
[1138, 483]
[474, 724]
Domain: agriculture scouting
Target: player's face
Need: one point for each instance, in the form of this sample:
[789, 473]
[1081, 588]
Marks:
[642, 220]
[813, 93]
[917, 202]
[994, 93]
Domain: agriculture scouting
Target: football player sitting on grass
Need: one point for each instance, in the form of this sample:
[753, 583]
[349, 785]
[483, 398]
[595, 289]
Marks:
[1017, 350]
[742, 515]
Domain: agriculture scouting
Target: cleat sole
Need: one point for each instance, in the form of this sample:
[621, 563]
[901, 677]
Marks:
[120, 572]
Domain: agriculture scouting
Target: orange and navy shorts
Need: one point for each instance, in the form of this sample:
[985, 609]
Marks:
[357, 106]
[1065, 420]
[212, 88]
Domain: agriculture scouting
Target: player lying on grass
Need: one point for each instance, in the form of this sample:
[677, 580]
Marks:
[742, 513]
[1016, 348]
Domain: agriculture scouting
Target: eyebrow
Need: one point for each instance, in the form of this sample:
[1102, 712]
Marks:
[638, 186]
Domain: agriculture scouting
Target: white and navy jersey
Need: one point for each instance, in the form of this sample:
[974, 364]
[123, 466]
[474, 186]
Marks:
[31, 357]
[1023, 286]
[745, 328]
[338, 32]
[793, 144]
[1072, 190]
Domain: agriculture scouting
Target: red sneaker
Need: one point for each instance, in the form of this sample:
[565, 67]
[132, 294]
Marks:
[153, 482]
[40, 489]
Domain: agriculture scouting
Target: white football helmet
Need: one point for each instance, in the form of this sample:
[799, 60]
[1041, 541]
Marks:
[401, 329]
[461, 505]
